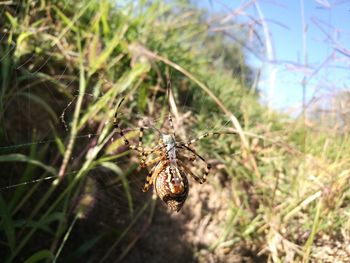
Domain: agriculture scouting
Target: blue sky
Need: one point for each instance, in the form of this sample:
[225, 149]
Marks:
[284, 21]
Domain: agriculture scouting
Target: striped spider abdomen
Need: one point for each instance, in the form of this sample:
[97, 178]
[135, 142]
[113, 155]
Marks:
[171, 186]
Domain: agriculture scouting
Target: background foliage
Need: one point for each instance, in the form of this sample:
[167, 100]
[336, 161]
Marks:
[70, 190]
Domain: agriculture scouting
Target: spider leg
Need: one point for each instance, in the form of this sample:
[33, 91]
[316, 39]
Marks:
[143, 153]
[204, 178]
[116, 125]
[147, 152]
[201, 137]
[170, 118]
[149, 179]
[191, 158]
[153, 161]
[141, 150]
[195, 177]
[153, 173]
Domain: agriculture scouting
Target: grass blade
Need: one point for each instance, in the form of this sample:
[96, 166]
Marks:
[7, 224]
[17, 157]
[113, 167]
[40, 256]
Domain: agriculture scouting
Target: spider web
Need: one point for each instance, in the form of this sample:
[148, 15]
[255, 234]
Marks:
[108, 192]
[185, 136]
[26, 130]
[106, 188]
[184, 115]
[151, 138]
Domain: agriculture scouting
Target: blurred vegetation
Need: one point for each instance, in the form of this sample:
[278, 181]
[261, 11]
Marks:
[65, 65]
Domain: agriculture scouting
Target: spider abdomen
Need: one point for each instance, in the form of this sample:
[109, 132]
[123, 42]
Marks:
[171, 186]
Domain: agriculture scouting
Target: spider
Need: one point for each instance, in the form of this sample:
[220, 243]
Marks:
[169, 171]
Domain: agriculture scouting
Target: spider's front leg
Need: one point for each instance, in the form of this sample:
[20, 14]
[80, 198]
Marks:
[139, 148]
[146, 152]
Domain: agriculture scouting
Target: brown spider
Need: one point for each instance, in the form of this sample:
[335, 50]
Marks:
[169, 171]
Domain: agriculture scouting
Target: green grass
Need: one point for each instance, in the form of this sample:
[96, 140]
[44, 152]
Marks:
[65, 67]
